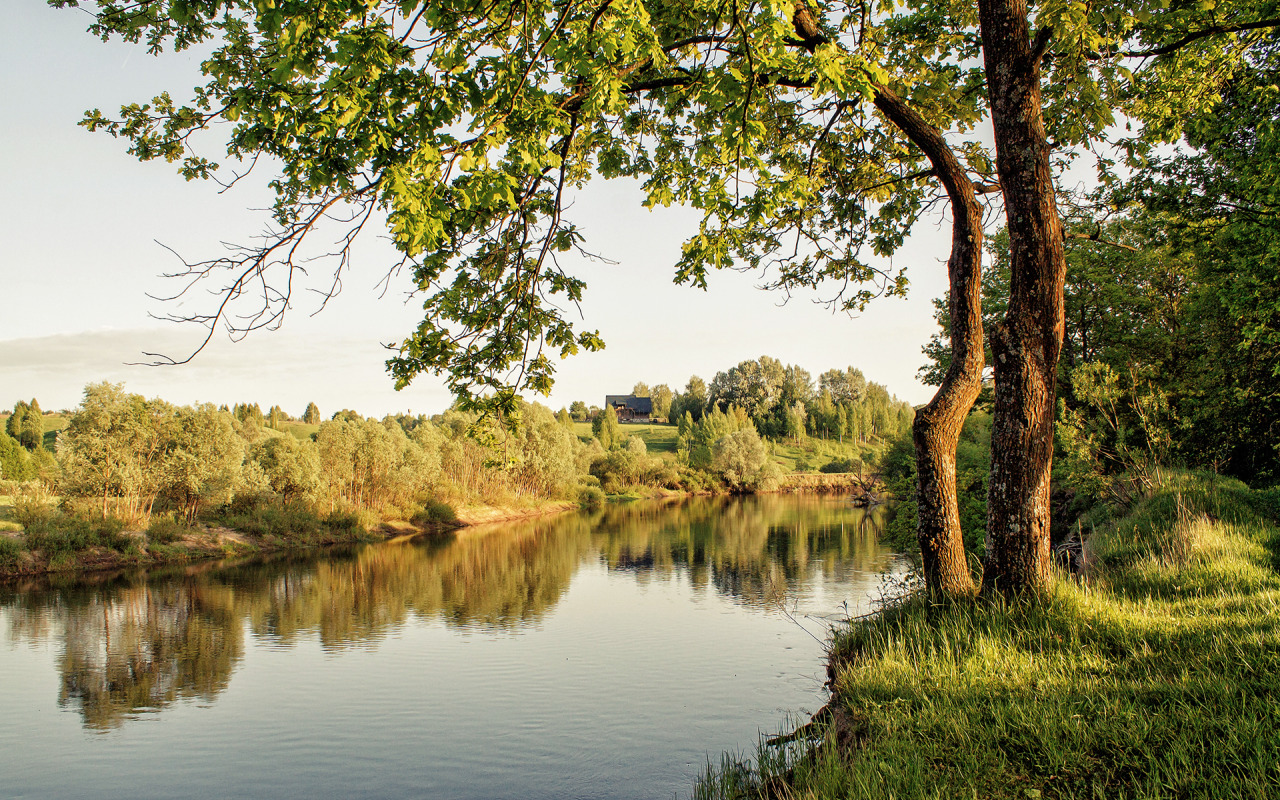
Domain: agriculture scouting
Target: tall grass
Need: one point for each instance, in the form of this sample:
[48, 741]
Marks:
[61, 537]
[11, 550]
[1157, 677]
[292, 524]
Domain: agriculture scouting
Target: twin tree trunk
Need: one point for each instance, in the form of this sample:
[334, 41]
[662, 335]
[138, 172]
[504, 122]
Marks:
[937, 426]
[1027, 343]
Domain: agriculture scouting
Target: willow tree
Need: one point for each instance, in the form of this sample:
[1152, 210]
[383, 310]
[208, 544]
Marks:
[809, 137]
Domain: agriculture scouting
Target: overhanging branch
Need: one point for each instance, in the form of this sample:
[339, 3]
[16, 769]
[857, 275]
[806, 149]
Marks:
[1198, 35]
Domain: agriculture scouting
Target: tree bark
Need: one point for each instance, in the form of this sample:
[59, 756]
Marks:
[1026, 344]
[937, 426]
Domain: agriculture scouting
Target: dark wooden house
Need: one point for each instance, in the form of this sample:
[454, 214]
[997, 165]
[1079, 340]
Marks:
[630, 408]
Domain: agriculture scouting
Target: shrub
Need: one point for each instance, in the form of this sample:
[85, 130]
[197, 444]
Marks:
[248, 502]
[11, 550]
[62, 536]
[55, 544]
[435, 512]
[769, 478]
[84, 507]
[693, 479]
[165, 530]
[344, 522]
[32, 505]
[367, 519]
[840, 465]
[291, 522]
[661, 472]
[295, 524]
[109, 533]
[591, 497]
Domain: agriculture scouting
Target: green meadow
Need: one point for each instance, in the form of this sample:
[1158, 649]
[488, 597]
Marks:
[1155, 675]
[807, 456]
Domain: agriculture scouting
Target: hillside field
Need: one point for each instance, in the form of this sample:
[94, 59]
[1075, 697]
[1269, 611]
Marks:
[808, 456]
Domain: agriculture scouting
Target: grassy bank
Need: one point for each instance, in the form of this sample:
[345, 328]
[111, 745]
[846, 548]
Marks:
[1158, 677]
[658, 437]
[809, 455]
[57, 542]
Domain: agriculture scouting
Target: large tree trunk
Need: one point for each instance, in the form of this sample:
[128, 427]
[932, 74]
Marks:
[937, 426]
[1027, 343]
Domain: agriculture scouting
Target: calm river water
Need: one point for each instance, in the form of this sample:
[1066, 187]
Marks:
[592, 655]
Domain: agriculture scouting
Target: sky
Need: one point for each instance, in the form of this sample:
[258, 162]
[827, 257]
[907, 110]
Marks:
[88, 232]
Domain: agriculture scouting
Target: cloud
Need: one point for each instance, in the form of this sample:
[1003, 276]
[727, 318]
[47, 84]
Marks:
[336, 371]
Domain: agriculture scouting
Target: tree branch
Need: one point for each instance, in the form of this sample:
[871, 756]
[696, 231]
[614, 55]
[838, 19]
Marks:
[1192, 37]
[1041, 44]
[692, 40]
[1097, 237]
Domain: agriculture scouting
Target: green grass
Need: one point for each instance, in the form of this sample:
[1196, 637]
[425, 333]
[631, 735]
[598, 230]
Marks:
[299, 430]
[657, 437]
[811, 454]
[807, 457]
[1157, 679]
[7, 522]
[290, 525]
[52, 424]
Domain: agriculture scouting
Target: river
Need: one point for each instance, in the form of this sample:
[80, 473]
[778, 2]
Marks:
[589, 655]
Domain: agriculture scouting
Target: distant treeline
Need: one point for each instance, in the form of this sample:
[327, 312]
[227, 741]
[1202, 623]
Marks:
[123, 455]
[782, 401]
[127, 457]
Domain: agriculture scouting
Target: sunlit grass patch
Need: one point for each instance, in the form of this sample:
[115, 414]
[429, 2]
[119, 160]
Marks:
[1157, 678]
[300, 430]
[811, 454]
[657, 437]
[7, 522]
[11, 550]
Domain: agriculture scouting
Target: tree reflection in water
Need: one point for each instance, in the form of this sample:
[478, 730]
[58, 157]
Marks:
[137, 644]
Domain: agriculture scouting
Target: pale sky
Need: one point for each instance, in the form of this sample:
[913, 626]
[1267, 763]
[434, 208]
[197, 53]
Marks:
[80, 221]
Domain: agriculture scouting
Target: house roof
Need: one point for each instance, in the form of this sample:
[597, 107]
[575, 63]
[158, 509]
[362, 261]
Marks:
[638, 405]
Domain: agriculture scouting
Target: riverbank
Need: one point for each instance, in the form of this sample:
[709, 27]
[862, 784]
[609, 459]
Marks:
[1155, 676]
[68, 545]
[84, 546]
[860, 488]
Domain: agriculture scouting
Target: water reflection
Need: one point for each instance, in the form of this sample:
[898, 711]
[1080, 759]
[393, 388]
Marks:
[136, 644]
[143, 647]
